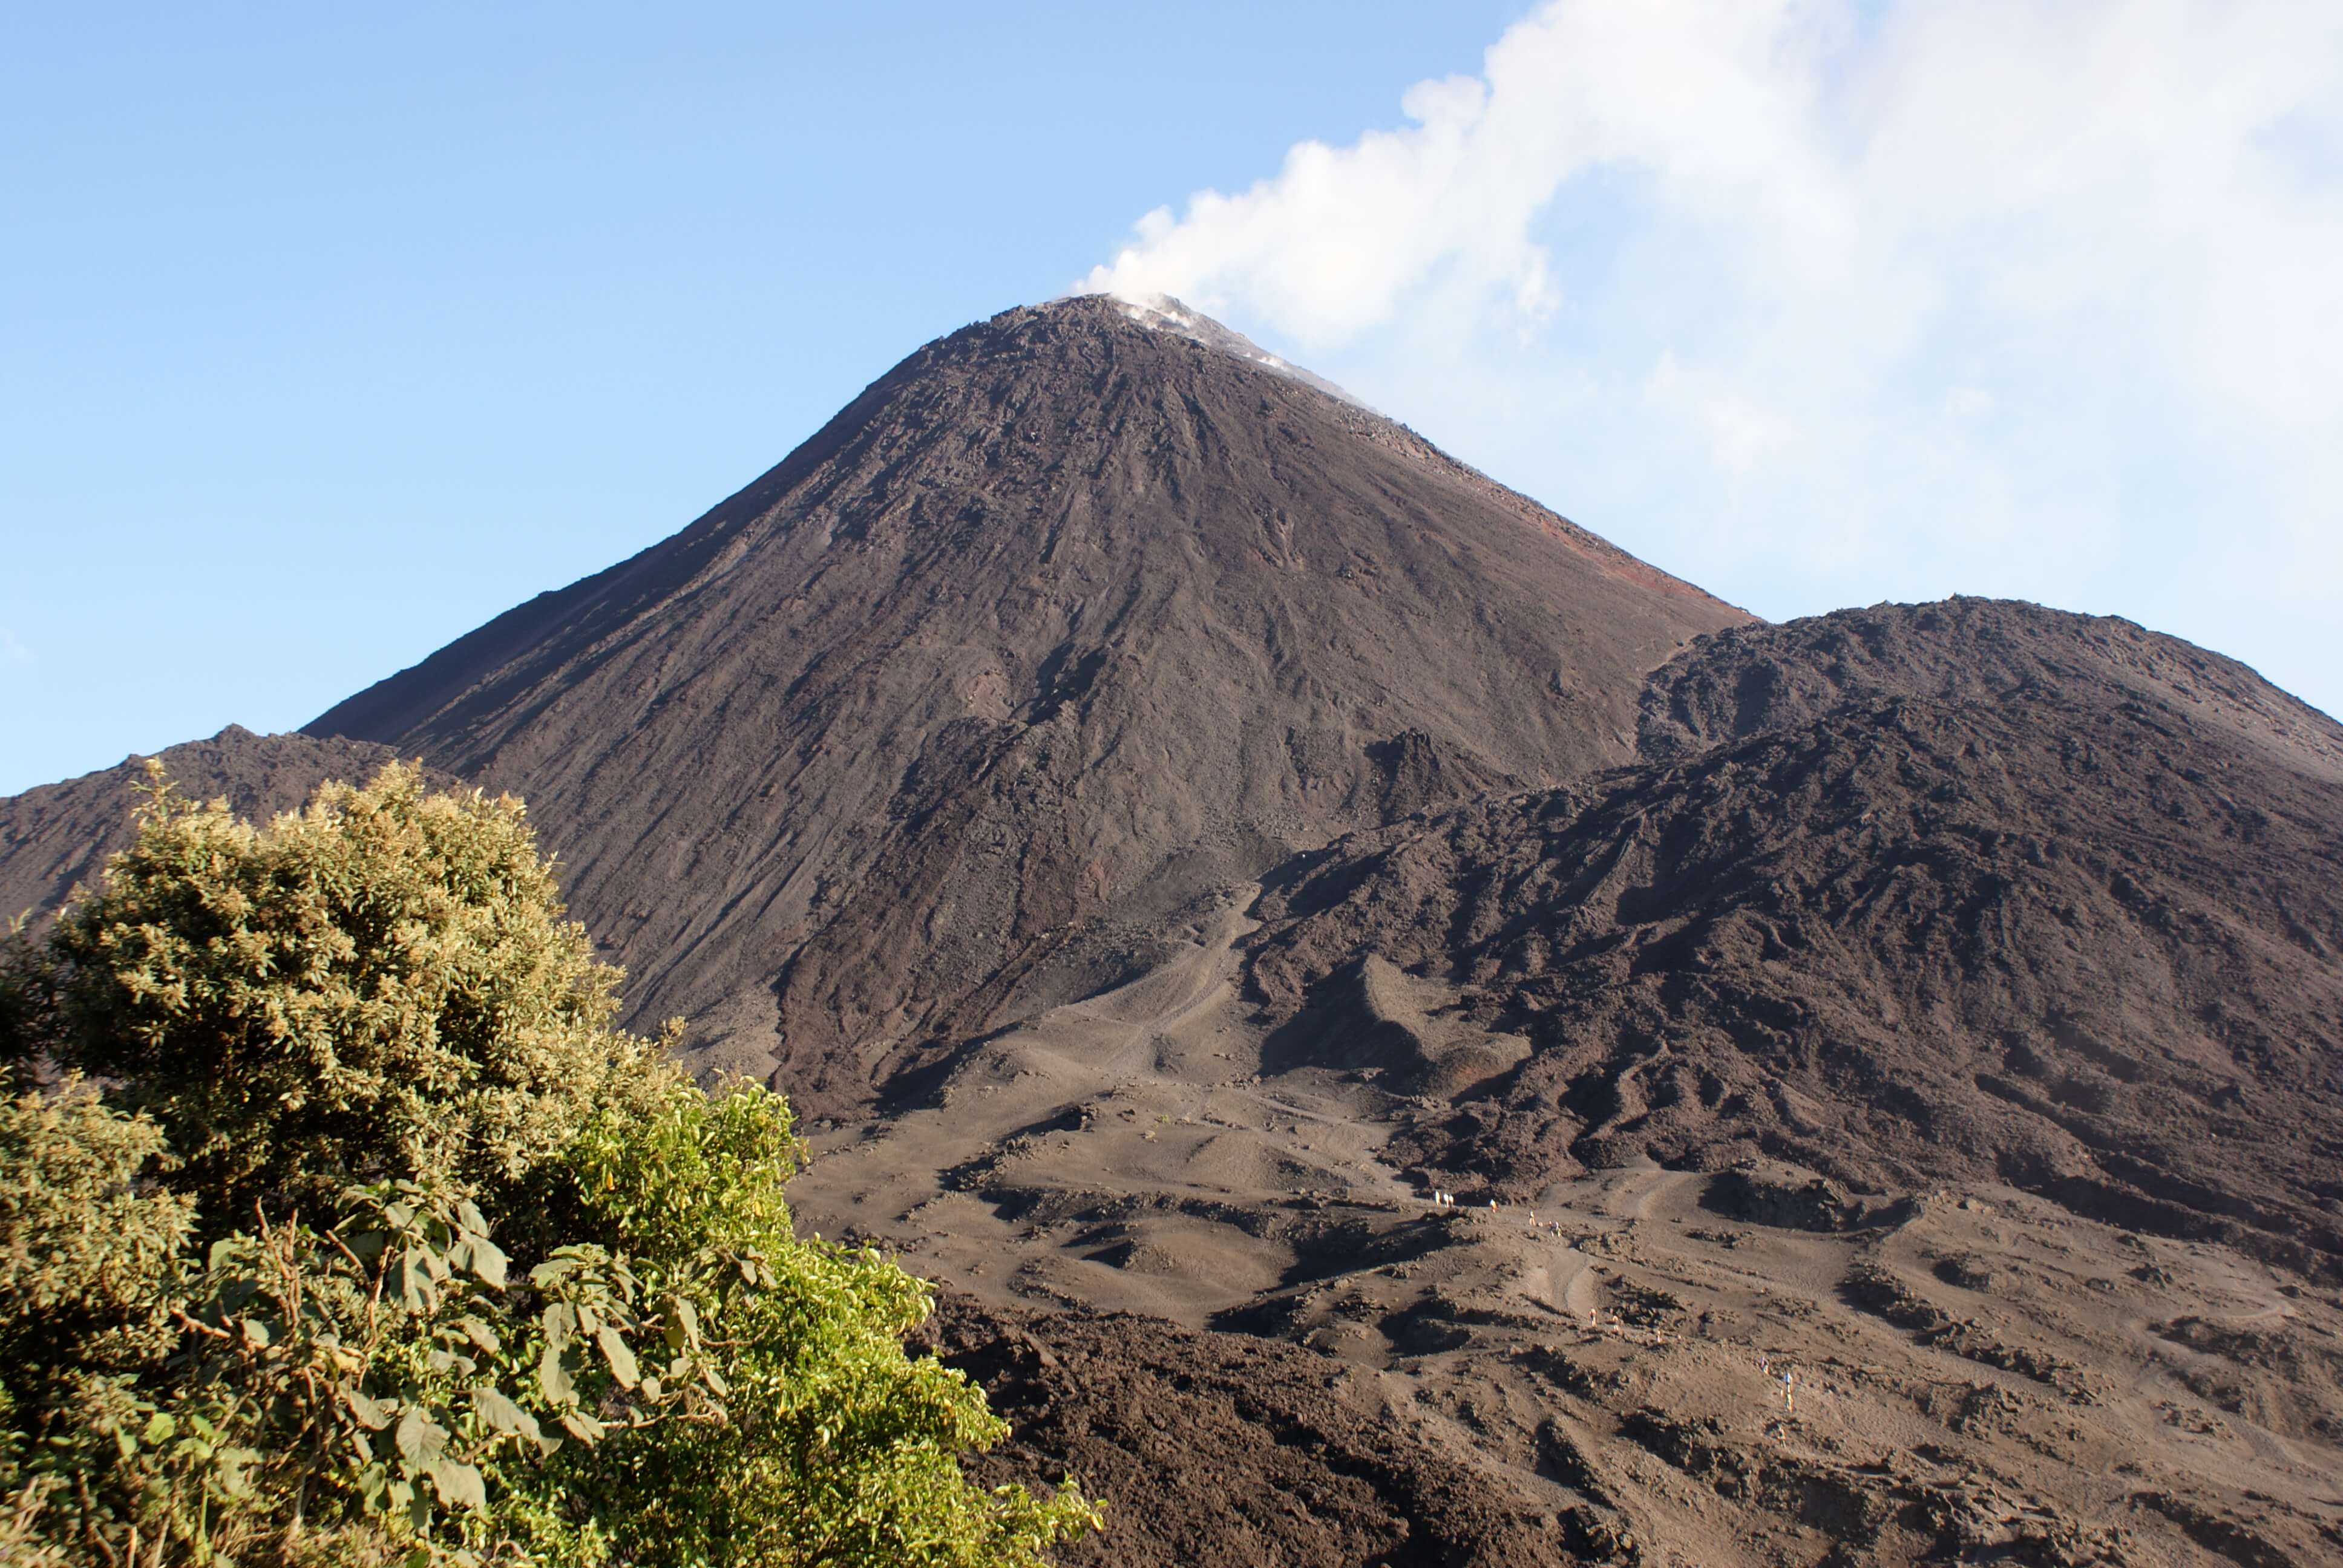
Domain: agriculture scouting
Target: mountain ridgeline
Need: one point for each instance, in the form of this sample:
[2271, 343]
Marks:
[1064, 623]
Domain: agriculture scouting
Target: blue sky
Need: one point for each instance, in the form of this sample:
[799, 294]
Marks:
[327, 333]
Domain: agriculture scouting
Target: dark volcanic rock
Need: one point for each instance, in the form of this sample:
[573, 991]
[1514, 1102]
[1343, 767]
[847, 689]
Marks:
[1225, 1450]
[1746, 680]
[60, 834]
[1061, 625]
[2082, 935]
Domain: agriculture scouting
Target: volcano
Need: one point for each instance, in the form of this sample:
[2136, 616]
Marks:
[1076, 617]
[1408, 1036]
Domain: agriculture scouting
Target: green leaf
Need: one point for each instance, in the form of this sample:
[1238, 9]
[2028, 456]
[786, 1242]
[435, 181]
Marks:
[682, 1328]
[582, 1427]
[410, 1282]
[615, 1351]
[459, 1484]
[228, 1473]
[481, 1335]
[159, 1428]
[561, 1324]
[468, 1214]
[490, 1263]
[501, 1414]
[374, 1415]
[421, 1439]
[553, 1377]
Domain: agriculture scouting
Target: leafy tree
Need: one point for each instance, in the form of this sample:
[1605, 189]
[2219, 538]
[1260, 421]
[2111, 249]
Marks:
[380, 987]
[257, 1305]
[843, 1448]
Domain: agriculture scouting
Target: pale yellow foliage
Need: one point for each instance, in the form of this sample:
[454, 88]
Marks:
[379, 986]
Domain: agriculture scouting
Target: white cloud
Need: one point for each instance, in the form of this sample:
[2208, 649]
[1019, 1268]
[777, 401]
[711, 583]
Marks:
[1742, 433]
[1905, 282]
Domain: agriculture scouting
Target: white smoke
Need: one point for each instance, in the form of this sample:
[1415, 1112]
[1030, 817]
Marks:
[1330, 244]
[1904, 280]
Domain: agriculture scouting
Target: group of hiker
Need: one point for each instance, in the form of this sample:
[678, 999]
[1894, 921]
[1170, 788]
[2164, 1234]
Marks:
[1441, 1200]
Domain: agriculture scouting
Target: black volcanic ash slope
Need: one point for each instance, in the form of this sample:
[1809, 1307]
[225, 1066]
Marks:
[1966, 652]
[2074, 920]
[1063, 623]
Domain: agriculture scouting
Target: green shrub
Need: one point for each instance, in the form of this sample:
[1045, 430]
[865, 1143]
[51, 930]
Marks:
[306, 1339]
[379, 988]
[840, 1448]
[89, 1268]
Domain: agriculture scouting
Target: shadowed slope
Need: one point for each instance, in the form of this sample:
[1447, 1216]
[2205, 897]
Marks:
[1062, 624]
[2077, 936]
